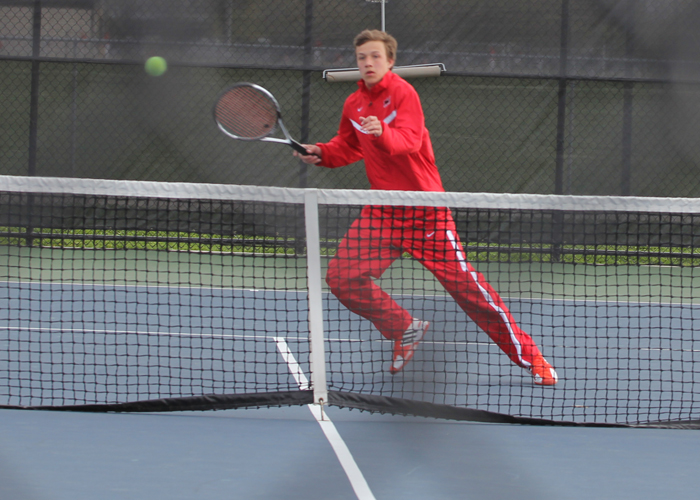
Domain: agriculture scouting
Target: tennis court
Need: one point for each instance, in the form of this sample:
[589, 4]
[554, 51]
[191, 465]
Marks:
[282, 453]
[159, 341]
[130, 302]
[150, 296]
[177, 339]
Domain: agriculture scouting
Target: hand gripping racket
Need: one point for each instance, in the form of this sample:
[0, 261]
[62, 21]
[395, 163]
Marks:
[248, 112]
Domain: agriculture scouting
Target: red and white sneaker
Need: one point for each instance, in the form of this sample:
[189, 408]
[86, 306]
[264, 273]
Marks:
[405, 347]
[542, 371]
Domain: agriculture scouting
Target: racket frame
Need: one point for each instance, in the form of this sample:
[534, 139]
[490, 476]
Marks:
[278, 121]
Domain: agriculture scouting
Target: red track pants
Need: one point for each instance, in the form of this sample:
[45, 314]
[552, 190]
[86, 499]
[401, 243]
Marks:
[381, 235]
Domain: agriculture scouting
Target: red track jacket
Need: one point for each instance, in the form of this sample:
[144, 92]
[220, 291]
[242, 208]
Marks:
[402, 157]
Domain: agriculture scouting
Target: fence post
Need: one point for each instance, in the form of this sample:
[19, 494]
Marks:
[558, 217]
[626, 170]
[306, 87]
[305, 116]
[561, 104]
[34, 97]
[33, 116]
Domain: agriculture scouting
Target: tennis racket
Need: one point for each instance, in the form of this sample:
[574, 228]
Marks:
[248, 112]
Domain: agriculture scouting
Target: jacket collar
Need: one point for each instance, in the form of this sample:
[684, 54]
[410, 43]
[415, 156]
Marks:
[379, 86]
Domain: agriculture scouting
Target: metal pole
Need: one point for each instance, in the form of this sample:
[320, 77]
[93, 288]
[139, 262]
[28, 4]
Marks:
[317, 356]
[561, 106]
[558, 218]
[300, 234]
[383, 15]
[74, 111]
[33, 116]
[34, 89]
[626, 170]
[306, 88]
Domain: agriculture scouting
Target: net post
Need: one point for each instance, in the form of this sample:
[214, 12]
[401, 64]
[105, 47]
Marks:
[317, 357]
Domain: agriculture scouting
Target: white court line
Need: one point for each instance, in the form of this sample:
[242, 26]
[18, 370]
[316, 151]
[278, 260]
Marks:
[355, 476]
[229, 336]
[87, 331]
[561, 300]
[291, 361]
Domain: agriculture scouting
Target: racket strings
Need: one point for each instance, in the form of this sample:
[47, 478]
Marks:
[246, 113]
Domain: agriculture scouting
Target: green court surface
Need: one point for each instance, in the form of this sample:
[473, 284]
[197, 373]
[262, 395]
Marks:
[274, 271]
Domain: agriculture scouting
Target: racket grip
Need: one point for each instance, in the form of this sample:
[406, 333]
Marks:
[301, 149]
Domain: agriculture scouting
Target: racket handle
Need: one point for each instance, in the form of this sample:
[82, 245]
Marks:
[301, 149]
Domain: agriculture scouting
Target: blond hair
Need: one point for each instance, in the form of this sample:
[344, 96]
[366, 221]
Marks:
[379, 36]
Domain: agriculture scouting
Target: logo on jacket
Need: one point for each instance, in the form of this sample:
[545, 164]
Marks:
[387, 101]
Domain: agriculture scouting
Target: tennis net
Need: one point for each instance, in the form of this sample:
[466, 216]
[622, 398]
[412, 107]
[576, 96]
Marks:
[138, 296]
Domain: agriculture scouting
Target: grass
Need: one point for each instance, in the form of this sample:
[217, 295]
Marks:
[171, 241]
[175, 241]
[601, 255]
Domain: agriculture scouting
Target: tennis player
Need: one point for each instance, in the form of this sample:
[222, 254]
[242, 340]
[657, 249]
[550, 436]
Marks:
[383, 123]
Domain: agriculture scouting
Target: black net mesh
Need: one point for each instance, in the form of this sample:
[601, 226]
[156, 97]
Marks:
[161, 296]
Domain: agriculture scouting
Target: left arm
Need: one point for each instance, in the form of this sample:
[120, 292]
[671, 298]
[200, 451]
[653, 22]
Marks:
[405, 136]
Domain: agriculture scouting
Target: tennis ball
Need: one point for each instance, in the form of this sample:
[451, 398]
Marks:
[156, 66]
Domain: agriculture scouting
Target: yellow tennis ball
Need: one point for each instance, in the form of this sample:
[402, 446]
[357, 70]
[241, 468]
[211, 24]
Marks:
[156, 66]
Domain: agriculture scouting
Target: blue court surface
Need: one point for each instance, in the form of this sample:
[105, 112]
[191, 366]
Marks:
[284, 453]
[631, 357]
[618, 362]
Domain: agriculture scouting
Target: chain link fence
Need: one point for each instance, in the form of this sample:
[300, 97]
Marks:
[547, 96]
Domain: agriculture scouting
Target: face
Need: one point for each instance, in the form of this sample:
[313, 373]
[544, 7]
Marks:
[373, 62]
